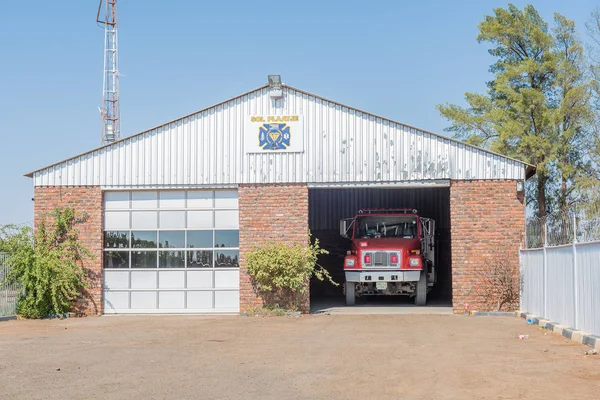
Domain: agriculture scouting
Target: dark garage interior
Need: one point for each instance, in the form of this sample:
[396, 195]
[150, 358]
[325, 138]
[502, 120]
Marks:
[327, 206]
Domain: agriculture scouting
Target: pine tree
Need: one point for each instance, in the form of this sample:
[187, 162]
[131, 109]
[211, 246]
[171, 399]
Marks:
[537, 106]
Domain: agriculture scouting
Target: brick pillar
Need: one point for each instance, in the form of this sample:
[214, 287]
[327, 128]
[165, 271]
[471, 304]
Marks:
[87, 199]
[270, 213]
[487, 220]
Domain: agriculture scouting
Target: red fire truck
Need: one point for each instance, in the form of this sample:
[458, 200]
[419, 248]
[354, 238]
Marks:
[392, 253]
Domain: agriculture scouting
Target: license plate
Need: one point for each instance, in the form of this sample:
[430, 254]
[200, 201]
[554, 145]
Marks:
[381, 285]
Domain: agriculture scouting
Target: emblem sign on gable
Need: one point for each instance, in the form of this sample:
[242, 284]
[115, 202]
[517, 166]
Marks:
[274, 134]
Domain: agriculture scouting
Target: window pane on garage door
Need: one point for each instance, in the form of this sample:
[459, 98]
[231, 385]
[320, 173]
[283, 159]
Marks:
[171, 251]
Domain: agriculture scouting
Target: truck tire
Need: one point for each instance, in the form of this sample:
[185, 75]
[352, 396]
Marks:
[421, 292]
[350, 296]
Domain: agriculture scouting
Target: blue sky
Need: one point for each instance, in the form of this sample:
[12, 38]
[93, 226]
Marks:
[393, 58]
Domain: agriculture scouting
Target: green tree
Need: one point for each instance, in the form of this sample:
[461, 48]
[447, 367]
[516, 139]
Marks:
[537, 106]
[47, 263]
[591, 183]
[573, 116]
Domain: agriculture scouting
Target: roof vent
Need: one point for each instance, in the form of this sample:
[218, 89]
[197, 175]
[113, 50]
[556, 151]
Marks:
[275, 86]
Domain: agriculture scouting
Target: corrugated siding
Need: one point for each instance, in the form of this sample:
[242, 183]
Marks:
[560, 280]
[570, 292]
[532, 273]
[341, 145]
[588, 299]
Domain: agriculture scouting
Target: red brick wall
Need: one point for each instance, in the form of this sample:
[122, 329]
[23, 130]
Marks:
[487, 224]
[270, 213]
[82, 199]
[487, 218]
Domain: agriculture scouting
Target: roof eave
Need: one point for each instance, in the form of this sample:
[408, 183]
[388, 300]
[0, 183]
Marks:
[530, 171]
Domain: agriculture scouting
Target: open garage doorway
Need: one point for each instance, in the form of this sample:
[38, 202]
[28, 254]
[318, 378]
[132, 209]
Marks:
[327, 206]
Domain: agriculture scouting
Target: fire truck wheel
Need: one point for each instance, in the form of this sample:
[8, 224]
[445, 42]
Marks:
[421, 292]
[350, 296]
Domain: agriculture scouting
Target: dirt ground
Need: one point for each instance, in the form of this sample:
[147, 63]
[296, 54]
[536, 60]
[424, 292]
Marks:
[310, 357]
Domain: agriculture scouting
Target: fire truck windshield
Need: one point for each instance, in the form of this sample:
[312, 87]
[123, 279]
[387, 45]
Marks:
[385, 226]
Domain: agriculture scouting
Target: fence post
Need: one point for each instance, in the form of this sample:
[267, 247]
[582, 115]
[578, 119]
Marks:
[545, 293]
[521, 281]
[6, 300]
[4, 288]
[575, 274]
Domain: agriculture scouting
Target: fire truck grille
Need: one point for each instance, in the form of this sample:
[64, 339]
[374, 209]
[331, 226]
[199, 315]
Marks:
[381, 259]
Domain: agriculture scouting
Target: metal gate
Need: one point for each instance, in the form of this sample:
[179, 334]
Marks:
[9, 291]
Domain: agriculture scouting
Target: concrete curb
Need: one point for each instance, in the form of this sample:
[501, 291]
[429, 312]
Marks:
[494, 313]
[7, 318]
[575, 335]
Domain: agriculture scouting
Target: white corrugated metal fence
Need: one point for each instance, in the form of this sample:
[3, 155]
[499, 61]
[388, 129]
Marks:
[562, 284]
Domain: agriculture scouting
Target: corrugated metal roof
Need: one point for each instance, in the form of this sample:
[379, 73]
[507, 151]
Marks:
[341, 144]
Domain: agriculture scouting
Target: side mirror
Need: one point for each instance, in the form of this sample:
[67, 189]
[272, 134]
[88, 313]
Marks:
[346, 227]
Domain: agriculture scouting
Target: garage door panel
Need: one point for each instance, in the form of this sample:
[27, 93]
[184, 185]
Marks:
[171, 279]
[116, 279]
[199, 279]
[200, 300]
[116, 220]
[226, 219]
[172, 199]
[143, 300]
[226, 199]
[115, 301]
[143, 279]
[171, 300]
[199, 219]
[171, 251]
[116, 200]
[172, 219]
[144, 219]
[227, 279]
[200, 199]
[227, 299]
[144, 199]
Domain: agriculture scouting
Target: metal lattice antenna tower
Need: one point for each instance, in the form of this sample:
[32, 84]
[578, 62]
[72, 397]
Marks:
[111, 114]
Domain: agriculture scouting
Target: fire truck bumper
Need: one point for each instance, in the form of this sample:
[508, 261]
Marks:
[382, 276]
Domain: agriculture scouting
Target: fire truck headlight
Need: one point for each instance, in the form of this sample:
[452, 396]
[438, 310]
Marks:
[350, 262]
[414, 262]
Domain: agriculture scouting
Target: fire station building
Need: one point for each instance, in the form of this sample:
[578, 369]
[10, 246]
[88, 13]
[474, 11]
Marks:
[173, 210]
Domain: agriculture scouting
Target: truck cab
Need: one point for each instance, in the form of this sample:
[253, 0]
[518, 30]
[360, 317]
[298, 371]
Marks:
[391, 253]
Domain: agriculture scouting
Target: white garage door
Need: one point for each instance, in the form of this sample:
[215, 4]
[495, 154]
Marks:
[171, 251]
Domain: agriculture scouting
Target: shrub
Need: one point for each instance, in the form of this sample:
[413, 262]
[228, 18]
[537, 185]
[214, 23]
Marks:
[500, 286]
[46, 263]
[281, 272]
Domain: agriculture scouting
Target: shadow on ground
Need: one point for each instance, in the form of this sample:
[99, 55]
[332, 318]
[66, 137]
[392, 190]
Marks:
[378, 305]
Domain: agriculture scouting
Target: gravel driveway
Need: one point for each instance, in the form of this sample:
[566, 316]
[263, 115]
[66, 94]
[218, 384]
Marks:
[310, 357]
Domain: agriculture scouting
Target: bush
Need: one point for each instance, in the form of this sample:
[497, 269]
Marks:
[46, 263]
[500, 286]
[281, 273]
